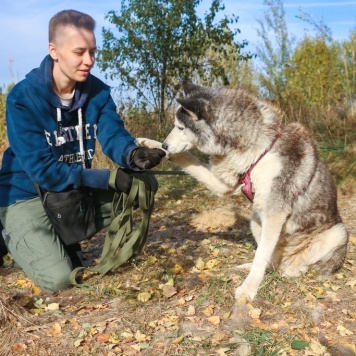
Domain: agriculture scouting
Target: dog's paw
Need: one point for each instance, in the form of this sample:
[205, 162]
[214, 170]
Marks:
[245, 292]
[147, 142]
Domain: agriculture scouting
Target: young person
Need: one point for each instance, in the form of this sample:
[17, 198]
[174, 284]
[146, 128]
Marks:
[48, 147]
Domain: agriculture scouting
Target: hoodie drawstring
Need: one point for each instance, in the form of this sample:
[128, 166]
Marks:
[60, 138]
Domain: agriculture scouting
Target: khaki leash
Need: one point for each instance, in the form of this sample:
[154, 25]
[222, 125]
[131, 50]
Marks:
[122, 241]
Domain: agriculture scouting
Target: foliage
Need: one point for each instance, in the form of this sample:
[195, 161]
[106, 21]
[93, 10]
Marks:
[158, 43]
[274, 53]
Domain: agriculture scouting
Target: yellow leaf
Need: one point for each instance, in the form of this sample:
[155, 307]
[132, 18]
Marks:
[317, 348]
[141, 337]
[35, 289]
[343, 331]
[152, 260]
[177, 269]
[52, 306]
[215, 320]
[218, 337]
[222, 351]
[212, 263]
[199, 264]
[178, 340]
[209, 310]
[78, 342]
[144, 297]
[22, 283]
[181, 301]
[351, 283]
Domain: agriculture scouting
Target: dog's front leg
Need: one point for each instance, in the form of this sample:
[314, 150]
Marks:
[271, 229]
[191, 165]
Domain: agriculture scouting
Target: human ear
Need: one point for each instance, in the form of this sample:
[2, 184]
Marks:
[52, 49]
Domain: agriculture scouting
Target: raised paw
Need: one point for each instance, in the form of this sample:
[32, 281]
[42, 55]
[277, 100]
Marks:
[147, 142]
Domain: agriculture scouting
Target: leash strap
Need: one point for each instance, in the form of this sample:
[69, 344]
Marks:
[121, 240]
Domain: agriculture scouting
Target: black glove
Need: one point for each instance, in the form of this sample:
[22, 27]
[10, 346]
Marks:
[120, 180]
[147, 158]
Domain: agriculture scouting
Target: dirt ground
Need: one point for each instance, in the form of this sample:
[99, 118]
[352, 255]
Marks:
[177, 297]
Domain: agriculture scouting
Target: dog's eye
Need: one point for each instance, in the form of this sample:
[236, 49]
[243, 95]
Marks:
[180, 128]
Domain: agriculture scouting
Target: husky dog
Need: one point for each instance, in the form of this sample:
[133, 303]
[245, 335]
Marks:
[295, 219]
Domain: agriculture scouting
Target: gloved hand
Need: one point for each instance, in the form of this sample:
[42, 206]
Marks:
[120, 180]
[147, 158]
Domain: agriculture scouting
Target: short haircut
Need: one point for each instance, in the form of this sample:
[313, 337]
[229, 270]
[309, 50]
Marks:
[69, 18]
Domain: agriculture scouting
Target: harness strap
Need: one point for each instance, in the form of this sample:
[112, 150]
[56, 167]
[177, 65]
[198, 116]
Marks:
[245, 178]
[121, 240]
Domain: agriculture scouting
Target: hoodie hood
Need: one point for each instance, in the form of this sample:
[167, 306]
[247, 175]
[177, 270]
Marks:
[41, 81]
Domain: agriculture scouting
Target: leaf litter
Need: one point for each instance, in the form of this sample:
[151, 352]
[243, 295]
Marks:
[177, 297]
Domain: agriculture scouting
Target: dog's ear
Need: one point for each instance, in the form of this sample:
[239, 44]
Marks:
[194, 106]
[189, 87]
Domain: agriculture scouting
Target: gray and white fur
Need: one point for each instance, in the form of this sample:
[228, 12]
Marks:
[295, 219]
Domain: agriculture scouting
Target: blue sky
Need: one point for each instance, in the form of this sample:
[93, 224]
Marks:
[23, 25]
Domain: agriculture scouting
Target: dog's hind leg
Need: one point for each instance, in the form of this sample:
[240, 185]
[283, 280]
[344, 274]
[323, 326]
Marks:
[270, 232]
[325, 252]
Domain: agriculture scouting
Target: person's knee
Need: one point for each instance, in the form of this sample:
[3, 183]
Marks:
[56, 277]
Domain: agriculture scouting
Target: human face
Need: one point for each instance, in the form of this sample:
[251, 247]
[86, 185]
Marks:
[73, 52]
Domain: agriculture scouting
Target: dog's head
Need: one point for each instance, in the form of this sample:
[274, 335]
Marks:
[216, 119]
[191, 120]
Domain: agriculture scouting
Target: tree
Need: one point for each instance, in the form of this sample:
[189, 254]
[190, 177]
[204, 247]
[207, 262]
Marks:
[160, 42]
[274, 55]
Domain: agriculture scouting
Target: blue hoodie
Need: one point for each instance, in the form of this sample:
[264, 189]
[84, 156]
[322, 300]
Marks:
[35, 154]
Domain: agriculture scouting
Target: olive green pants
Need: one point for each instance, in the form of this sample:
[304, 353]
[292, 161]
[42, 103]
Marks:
[33, 244]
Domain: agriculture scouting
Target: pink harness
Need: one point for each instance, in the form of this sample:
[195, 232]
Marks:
[245, 178]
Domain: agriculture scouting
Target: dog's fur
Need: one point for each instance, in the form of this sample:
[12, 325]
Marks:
[295, 219]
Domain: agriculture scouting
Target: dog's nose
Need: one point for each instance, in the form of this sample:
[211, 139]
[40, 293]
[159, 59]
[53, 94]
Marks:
[165, 146]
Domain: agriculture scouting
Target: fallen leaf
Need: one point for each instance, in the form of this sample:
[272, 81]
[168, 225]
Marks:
[144, 297]
[209, 310]
[17, 348]
[199, 264]
[255, 313]
[299, 344]
[218, 337]
[212, 263]
[54, 330]
[222, 351]
[191, 310]
[141, 337]
[178, 340]
[140, 346]
[78, 342]
[351, 283]
[343, 331]
[215, 320]
[317, 348]
[177, 269]
[169, 291]
[103, 338]
[52, 306]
